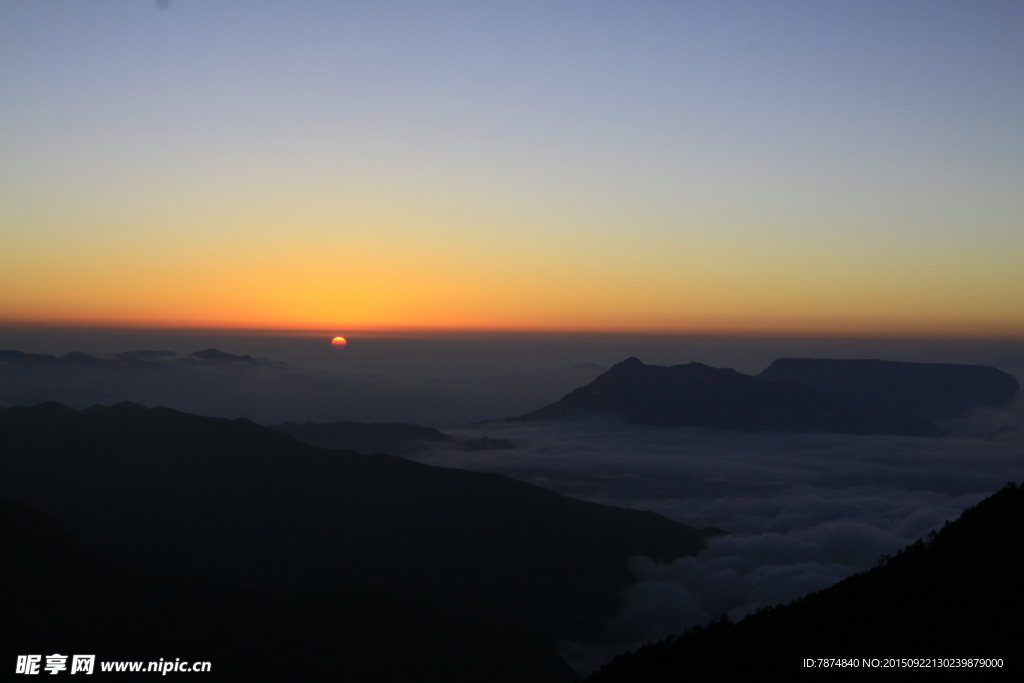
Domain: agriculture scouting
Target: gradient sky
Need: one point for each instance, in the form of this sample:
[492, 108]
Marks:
[825, 167]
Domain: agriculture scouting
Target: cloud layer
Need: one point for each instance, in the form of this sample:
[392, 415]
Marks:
[803, 510]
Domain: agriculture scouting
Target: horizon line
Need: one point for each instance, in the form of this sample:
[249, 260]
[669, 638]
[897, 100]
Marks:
[455, 331]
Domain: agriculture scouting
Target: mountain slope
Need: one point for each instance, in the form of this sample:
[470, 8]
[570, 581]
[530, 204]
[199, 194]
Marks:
[958, 595]
[61, 598]
[163, 491]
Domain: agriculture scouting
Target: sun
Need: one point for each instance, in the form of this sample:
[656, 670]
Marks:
[339, 341]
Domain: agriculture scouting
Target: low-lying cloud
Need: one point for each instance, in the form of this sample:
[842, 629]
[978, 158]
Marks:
[803, 510]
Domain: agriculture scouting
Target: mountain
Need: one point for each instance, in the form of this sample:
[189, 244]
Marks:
[145, 355]
[160, 491]
[131, 358]
[11, 357]
[59, 597]
[486, 443]
[924, 390]
[218, 356]
[957, 594]
[696, 395]
[207, 382]
[390, 438]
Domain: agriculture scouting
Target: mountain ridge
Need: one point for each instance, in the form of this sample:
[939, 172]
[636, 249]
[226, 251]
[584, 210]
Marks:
[154, 489]
[955, 594]
[63, 598]
[697, 395]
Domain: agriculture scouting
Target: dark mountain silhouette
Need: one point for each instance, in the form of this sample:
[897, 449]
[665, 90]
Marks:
[701, 396]
[208, 382]
[59, 597]
[222, 357]
[958, 594]
[11, 357]
[145, 355]
[390, 438]
[131, 358]
[925, 390]
[80, 358]
[161, 491]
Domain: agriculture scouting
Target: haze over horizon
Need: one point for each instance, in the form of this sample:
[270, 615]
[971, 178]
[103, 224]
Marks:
[797, 168]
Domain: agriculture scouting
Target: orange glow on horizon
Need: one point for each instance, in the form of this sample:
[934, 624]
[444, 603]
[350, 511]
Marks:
[880, 329]
[299, 293]
[409, 280]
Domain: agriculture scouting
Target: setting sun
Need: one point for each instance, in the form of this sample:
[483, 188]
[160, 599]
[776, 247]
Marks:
[339, 341]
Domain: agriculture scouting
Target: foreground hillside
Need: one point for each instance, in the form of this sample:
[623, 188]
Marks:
[61, 598]
[162, 492]
[957, 595]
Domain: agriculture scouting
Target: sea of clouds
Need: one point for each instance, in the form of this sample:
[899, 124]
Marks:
[803, 511]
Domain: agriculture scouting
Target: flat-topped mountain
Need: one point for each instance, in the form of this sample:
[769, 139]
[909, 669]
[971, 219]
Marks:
[696, 395]
[926, 390]
[162, 491]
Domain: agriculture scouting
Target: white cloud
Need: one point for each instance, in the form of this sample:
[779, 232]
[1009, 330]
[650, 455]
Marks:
[803, 510]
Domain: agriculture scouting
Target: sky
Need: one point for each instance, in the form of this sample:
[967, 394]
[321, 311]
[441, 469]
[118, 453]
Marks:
[729, 167]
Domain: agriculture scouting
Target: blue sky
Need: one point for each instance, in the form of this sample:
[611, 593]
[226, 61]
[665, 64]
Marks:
[800, 166]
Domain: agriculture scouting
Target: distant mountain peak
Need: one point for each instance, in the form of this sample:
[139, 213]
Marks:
[219, 356]
[698, 395]
[633, 364]
[145, 354]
